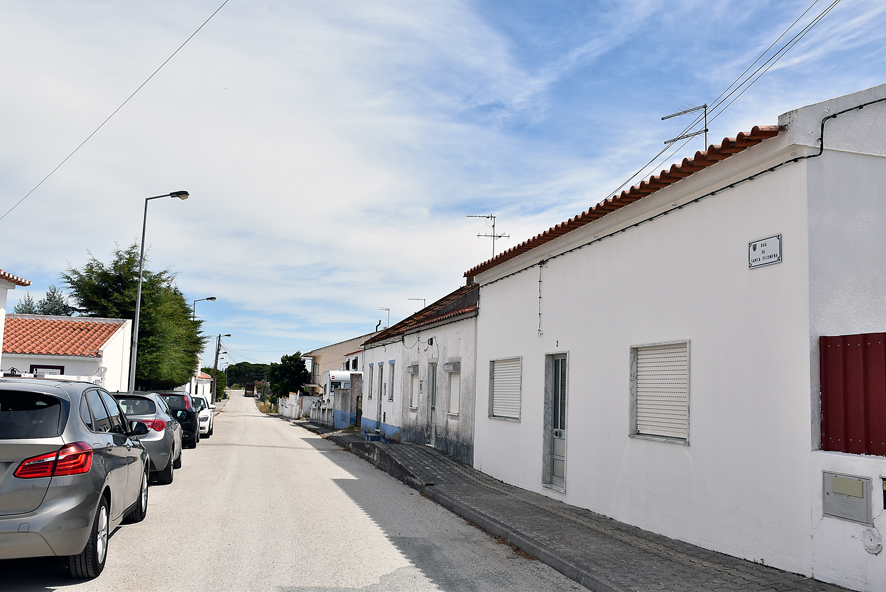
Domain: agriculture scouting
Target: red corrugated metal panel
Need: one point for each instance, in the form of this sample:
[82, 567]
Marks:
[853, 393]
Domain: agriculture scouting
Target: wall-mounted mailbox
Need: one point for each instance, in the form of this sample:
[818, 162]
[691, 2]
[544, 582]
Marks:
[847, 497]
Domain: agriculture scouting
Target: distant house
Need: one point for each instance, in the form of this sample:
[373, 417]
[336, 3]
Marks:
[7, 282]
[703, 354]
[85, 348]
[419, 376]
[343, 355]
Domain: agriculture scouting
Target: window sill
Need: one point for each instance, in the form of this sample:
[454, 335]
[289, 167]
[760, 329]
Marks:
[499, 418]
[553, 487]
[666, 439]
[452, 415]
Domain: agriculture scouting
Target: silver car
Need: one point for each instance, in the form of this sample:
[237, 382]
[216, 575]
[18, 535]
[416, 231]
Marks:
[164, 438]
[71, 470]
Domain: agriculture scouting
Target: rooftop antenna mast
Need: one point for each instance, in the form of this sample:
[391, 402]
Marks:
[691, 134]
[493, 236]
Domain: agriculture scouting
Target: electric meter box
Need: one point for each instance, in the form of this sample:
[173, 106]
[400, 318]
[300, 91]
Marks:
[847, 497]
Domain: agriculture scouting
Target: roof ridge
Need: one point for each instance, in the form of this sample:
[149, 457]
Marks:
[677, 172]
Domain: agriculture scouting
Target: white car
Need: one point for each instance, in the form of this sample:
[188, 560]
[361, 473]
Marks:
[205, 415]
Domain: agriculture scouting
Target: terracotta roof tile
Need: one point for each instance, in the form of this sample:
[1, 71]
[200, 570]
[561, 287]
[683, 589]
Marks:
[460, 302]
[14, 279]
[700, 161]
[56, 336]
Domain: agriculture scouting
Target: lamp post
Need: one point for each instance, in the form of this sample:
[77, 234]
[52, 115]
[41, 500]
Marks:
[215, 369]
[194, 308]
[138, 298]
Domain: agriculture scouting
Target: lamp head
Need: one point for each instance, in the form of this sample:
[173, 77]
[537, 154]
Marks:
[180, 194]
[211, 298]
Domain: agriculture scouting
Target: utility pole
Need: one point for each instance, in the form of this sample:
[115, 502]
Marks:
[214, 397]
[493, 236]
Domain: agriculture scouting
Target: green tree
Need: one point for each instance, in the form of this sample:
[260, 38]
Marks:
[288, 376]
[243, 372]
[53, 303]
[169, 341]
[25, 306]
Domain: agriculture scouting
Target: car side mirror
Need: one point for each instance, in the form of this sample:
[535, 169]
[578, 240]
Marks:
[212, 406]
[138, 429]
[181, 414]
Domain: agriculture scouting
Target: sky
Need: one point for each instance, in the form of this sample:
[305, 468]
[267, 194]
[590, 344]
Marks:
[334, 149]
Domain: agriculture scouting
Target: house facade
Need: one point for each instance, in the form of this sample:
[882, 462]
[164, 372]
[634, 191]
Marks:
[338, 356]
[84, 348]
[660, 358]
[419, 376]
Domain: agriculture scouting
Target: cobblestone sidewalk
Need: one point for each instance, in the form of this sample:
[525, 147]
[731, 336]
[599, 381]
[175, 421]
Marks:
[600, 553]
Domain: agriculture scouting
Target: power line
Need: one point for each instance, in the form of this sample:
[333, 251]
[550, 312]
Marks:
[747, 82]
[112, 114]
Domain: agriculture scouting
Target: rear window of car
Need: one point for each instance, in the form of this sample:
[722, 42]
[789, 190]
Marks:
[26, 415]
[199, 403]
[137, 406]
[175, 402]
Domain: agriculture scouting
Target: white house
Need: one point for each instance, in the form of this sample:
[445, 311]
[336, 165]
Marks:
[85, 348]
[657, 358]
[7, 282]
[419, 376]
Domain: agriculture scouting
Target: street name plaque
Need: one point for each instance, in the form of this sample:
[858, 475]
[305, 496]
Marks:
[764, 251]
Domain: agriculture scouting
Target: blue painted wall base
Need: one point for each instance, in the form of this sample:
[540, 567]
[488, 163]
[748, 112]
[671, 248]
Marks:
[389, 433]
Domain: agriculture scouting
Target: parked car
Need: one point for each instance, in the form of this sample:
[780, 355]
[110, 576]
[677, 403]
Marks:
[205, 415]
[164, 438]
[71, 470]
[183, 410]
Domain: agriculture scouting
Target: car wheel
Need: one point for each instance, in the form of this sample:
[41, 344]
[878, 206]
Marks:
[164, 477]
[91, 561]
[211, 428]
[137, 514]
[196, 437]
[177, 463]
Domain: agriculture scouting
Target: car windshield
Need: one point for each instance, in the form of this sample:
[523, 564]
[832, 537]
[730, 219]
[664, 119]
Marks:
[28, 415]
[137, 406]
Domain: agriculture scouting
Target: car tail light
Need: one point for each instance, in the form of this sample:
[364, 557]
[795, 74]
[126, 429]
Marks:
[72, 459]
[158, 425]
[188, 405]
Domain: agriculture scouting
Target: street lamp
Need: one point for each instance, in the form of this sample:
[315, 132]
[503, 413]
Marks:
[138, 298]
[215, 369]
[194, 308]
[389, 314]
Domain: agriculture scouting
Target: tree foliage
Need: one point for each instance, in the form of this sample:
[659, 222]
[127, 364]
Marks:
[288, 376]
[243, 372]
[53, 303]
[169, 341]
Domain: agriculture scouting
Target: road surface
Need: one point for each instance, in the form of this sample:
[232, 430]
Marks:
[265, 505]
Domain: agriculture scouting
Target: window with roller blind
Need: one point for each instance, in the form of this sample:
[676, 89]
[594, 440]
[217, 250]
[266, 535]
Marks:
[660, 391]
[505, 388]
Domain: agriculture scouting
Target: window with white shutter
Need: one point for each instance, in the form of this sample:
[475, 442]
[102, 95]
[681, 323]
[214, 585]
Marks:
[505, 376]
[660, 391]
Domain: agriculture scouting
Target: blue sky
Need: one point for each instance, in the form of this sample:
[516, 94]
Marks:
[333, 149]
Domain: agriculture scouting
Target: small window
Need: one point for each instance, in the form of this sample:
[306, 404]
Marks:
[506, 384]
[84, 413]
[118, 423]
[369, 395]
[381, 381]
[413, 390]
[454, 392]
[391, 387]
[660, 391]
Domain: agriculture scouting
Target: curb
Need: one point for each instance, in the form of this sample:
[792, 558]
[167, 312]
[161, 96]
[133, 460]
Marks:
[381, 459]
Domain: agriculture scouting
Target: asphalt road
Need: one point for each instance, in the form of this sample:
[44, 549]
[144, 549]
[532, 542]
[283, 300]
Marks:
[265, 505]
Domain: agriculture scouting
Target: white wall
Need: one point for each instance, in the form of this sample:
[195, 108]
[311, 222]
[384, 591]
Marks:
[391, 411]
[741, 486]
[4, 287]
[115, 357]
[452, 342]
[847, 244]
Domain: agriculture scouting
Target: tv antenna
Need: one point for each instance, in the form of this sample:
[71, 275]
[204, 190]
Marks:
[691, 134]
[493, 236]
